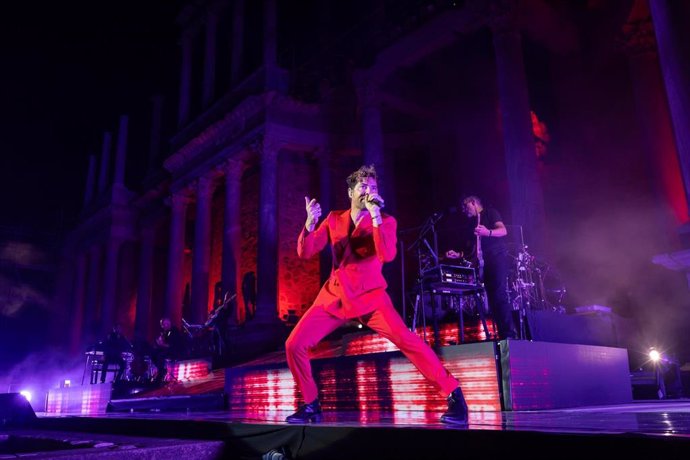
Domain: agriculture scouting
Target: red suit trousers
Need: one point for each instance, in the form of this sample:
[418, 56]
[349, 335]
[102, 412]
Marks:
[318, 323]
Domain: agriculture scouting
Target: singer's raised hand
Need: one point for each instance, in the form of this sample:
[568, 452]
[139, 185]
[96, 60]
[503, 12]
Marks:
[313, 213]
[373, 202]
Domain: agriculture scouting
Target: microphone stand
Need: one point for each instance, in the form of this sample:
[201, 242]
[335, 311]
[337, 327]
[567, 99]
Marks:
[429, 226]
[431, 250]
[403, 286]
[435, 218]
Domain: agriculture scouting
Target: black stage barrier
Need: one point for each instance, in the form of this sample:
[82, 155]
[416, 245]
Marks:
[607, 330]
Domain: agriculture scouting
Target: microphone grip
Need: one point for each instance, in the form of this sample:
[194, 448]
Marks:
[377, 203]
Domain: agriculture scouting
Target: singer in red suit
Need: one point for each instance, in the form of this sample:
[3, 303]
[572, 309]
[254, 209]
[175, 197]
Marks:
[362, 239]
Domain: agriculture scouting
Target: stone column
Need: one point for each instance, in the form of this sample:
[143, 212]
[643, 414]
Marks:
[104, 173]
[210, 56]
[372, 135]
[654, 119]
[276, 79]
[64, 301]
[270, 34]
[326, 201]
[156, 132]
[202, 250]
[121, 150]
[145, 287]
[78, 303]
[184, 110]
[267, 263]
[90, 181]
[112, 255]
[324, 29]
[175, 289]
[93, 289]
[237, 41]
[526, 196]
[232, 230]
[671, 38]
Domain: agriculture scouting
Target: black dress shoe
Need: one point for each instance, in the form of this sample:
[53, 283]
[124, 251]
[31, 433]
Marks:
[457, 409]
[307, 413]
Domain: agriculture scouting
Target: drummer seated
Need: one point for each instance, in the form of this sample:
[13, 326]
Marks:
[114, 349]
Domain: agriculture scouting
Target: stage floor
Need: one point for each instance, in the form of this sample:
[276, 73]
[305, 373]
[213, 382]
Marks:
[664, 417]
[660, 429]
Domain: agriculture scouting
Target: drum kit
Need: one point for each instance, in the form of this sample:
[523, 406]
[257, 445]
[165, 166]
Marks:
[533, 285]
[141, 369]
[138, 368]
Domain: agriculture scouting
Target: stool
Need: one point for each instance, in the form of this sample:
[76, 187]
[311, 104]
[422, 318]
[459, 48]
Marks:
[98, 367]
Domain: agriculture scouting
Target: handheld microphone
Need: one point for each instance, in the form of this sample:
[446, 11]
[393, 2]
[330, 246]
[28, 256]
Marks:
[377, 202]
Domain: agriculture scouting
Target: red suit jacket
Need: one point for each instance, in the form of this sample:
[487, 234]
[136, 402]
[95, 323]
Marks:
[356, 286]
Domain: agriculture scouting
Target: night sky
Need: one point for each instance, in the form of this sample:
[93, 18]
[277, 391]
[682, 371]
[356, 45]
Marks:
[69, 70]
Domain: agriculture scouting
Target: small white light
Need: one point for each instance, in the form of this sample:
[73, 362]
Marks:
[26, 394]
[359, 326]
[654, 355]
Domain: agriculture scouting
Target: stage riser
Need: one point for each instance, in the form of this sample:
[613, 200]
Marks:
[533, 375]
[543, 375]
[191, 370]
[382, 381]
[84, 400]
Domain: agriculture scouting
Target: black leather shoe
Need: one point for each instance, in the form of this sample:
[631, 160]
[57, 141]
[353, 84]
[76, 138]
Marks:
[307, 413]
[457, 409]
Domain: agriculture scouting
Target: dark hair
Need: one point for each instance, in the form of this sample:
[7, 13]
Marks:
[467, 198]
[362, 173]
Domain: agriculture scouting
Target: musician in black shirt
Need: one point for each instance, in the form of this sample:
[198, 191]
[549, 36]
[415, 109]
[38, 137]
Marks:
[169, 346]
[114, 346]
[218, 319]
[487, 232]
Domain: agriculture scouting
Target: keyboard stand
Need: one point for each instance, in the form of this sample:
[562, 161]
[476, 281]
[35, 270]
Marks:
[479, 294]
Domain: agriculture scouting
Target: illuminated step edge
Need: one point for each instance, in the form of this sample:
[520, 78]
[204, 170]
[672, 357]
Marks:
[381, 381]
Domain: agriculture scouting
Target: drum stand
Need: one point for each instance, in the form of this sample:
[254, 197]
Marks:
[524, 288]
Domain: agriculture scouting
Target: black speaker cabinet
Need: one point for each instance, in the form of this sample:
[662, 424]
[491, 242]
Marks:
[15, 410]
